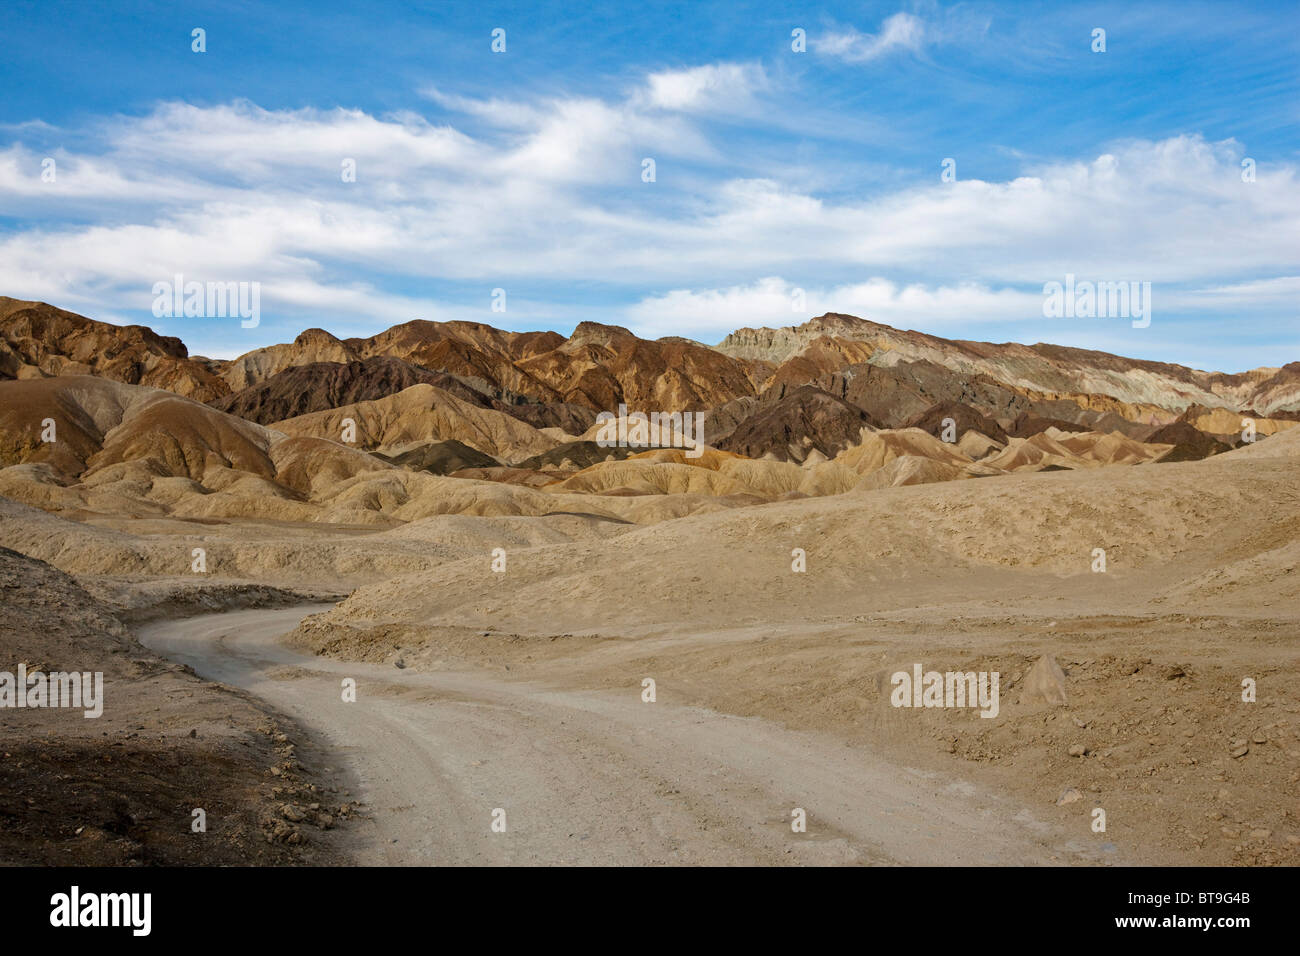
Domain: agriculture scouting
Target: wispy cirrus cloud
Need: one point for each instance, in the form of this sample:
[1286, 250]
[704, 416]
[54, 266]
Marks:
[902, 31]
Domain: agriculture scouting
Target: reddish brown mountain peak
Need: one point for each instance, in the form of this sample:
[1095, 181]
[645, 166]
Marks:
[412, 329]
[597, 333]
[840, 320]
[315, 337]
[846, 326]
[468, 326]
[38, 339]
[780, 344]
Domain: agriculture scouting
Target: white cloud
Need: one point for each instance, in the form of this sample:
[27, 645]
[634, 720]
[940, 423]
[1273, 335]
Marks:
[1271, 299]
[774, 301]
[902, 31]
[550, 192]
[714, 87]
[1282, 288]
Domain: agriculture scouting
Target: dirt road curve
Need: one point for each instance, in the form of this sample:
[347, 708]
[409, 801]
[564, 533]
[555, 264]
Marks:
[598, 777]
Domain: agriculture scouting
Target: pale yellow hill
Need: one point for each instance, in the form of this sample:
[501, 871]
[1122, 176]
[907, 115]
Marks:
[1015, 538]
[1221, 421]
[424, 413]
[910, 470]
[672, 472]
[976, 445]
[642, 434]
[880, 448]
[1073, 450]
[1109, 449]
[650, 478]
[314, 345]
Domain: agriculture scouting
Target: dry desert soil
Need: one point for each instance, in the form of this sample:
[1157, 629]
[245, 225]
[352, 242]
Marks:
[522, 690]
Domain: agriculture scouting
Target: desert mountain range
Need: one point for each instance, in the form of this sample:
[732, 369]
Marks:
[432, 418]
[949, 499]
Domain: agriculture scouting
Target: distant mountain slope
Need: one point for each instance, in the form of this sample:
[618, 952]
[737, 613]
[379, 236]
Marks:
[804, 421]
[420, 414]
[301, 389]
[38, 340]
[598, 366]
[1042, 368]
[786, 393]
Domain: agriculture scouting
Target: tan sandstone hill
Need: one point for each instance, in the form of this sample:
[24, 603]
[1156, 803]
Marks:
[424, 413]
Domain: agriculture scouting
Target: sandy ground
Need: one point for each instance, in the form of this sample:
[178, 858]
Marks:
[1199, 594]
[602, 777]
[771, 682]
[1154, 703]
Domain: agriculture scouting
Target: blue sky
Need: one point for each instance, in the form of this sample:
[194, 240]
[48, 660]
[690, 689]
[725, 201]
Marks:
[786, 183]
